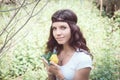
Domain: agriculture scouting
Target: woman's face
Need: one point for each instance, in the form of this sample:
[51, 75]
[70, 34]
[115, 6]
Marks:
[61, 32]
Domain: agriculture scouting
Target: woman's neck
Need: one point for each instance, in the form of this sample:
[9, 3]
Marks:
[65, 55]
[67, 49]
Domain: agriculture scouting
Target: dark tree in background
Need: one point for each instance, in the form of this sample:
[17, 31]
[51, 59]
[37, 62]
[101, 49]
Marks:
[109, 6]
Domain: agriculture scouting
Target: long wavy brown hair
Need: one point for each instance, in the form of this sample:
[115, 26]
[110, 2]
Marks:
[77, 40]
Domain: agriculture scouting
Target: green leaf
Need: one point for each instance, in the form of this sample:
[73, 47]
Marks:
[47, 56]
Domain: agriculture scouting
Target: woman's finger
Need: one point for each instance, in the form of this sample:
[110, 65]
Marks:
[45, 62]
[52, 63]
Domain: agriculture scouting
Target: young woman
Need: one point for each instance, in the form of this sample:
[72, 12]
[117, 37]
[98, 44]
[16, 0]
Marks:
[75, 61]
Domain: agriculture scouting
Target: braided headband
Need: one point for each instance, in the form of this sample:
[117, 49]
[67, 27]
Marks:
[62, 20]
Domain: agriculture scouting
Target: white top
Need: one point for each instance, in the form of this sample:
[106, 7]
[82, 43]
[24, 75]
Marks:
[78, 61]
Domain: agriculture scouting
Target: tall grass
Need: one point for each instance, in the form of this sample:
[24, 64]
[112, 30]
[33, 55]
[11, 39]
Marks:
[23, 60]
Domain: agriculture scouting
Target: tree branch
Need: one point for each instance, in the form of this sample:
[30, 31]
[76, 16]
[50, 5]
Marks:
[4, 29]
[9, 37]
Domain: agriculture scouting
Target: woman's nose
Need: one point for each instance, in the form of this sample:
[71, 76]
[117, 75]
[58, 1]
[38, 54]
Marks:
[58, 32]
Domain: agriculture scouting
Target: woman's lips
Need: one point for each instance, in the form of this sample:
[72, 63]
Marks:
[59, 39]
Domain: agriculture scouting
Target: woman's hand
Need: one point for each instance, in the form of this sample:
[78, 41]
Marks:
[55, 69]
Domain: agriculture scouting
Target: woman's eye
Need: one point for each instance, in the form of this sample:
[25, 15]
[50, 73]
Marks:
[53, 28]
[63, 27]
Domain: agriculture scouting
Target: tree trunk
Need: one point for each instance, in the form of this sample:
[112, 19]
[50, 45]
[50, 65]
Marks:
[101, 6]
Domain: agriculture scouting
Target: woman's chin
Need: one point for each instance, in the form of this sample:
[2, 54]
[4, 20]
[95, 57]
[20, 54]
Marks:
[61, 43]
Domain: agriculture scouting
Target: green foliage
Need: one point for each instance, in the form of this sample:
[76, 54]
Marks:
[117, 16]
[102, 34]
[23, 62]
[47, 56]
[107, 68]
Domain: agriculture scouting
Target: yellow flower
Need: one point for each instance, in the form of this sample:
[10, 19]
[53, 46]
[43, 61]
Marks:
[54, 58]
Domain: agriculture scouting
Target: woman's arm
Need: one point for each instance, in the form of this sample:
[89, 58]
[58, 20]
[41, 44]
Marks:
[82, 74]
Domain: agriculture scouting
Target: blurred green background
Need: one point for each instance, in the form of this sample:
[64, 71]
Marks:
[20, 58]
